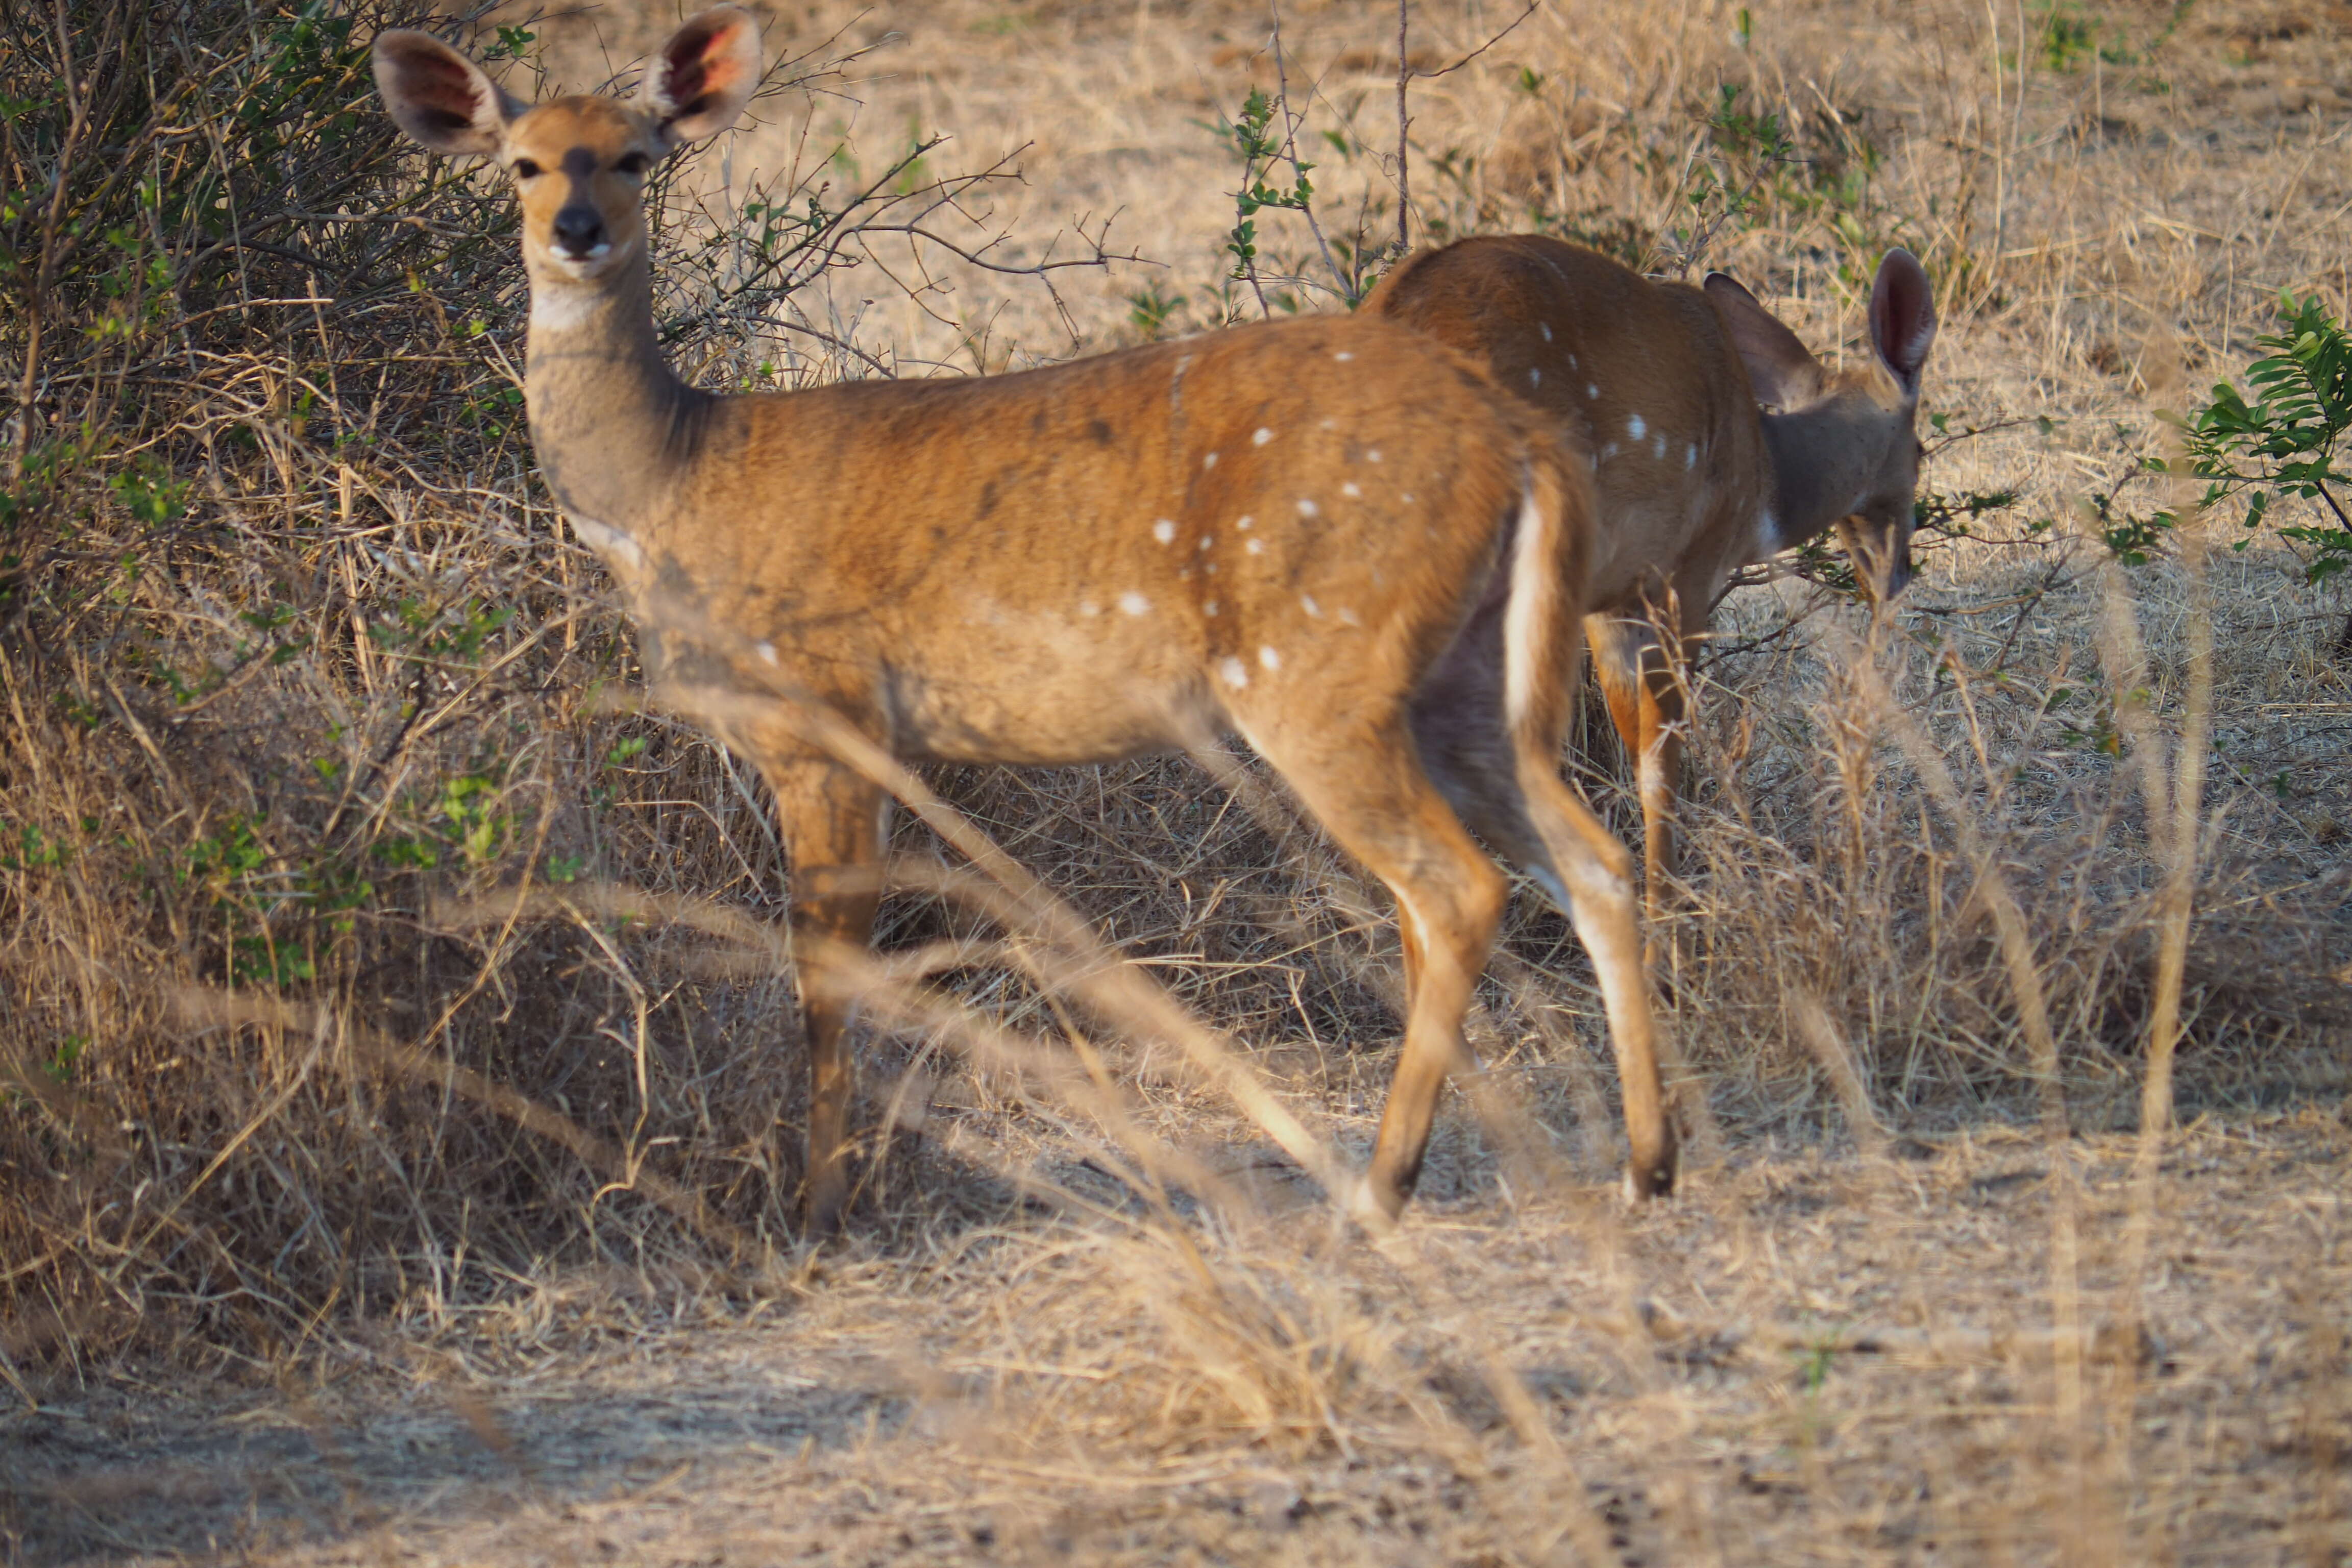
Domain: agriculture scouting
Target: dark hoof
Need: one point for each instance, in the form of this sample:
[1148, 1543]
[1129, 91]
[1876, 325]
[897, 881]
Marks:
[1654, 1179]
[823, 1226]
[1375, 1206]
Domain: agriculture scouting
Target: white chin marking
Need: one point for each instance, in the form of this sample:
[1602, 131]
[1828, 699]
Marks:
[588, 268]
[607, 541]
[558, 308]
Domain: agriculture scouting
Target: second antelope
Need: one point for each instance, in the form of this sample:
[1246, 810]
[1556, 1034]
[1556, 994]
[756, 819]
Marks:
[1662, 383]
[1335, 538]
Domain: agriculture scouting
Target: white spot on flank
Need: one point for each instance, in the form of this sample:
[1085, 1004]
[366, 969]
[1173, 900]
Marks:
[1406, 497]
[1343, 356]
[1572, 362]
[1268, 657]
[1546, 327]
[1235, 672]
[1610, 450]
[767, 650]
[1374, 456]
[1633, 428]
[1164, 530]
[1210, 461]
[1134, 604]
[1210, 609]
[1350, 489]
[1658, 445]
[1307, 602]
[1088, 608]
[1257, 547]
[1330, 424]
[1690, 456]
[1591, 390]
[1207, 540]
[1261, 437]
[1348, 617]
[1308, 507]
[1535, 377]
[1243, 521]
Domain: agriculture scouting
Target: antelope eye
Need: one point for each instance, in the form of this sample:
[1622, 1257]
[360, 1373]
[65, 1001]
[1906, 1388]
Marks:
[632, 163]
[524, 169]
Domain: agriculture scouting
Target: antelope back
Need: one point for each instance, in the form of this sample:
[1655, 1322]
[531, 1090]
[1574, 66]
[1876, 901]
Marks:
[1666, 383]
[1642, 373]
[1236, 524]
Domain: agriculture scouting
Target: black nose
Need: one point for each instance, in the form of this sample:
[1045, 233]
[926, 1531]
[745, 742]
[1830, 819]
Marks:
[578, 230]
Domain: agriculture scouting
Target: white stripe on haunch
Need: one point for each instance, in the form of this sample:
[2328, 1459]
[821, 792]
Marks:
[1523, 618]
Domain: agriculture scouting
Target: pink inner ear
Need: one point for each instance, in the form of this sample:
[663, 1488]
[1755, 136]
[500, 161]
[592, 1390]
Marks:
[703, 74]
[448, 84]
[689, 75]
[687, 78]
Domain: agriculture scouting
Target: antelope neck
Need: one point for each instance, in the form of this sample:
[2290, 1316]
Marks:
[612, 425]
[1820, 460]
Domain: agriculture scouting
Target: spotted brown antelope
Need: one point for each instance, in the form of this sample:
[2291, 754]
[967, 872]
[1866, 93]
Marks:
[1333, 537]
[1661, 382]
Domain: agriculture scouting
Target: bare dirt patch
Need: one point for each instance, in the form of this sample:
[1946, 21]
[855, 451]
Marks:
[1809, 1357]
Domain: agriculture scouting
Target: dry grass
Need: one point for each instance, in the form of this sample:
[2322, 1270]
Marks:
[393, 1038]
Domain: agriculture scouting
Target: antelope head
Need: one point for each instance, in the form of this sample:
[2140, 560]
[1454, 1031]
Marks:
[1866, 472]
[578, 162]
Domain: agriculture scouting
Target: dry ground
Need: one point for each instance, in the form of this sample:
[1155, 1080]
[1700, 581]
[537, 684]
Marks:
[1809, 1357]
[1898, 1315]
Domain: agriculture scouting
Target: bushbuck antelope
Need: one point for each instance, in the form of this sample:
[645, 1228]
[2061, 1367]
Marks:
[1662, 383]
[1334, 538]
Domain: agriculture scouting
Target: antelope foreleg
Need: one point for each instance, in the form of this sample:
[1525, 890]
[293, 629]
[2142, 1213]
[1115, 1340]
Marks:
[831, 824]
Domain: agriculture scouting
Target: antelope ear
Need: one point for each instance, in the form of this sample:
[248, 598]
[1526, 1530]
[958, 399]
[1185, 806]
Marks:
[1782, 371]
[703, 74]
[438, 96]
[1903, 317]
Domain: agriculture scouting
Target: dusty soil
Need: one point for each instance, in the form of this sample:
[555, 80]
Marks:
[1807, 1357]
